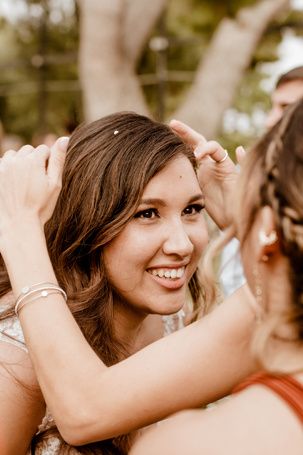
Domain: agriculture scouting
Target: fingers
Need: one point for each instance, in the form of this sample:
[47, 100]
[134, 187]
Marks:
[25, 150]
[57, 159]
[240, 154]
[41, 155]
[9, 154]
[190, 136]
[212, 149]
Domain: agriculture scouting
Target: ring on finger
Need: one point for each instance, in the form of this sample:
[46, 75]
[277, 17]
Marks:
[224, 157]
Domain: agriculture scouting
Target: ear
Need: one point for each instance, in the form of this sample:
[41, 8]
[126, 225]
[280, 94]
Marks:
[267, 235]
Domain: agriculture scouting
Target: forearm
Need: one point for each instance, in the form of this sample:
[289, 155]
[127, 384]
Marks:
[89, 402]
[56, 345]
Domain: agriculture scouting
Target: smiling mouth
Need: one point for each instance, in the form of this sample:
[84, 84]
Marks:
[169, 274]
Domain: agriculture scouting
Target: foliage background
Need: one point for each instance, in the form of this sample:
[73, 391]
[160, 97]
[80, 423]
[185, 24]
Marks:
[39, 88]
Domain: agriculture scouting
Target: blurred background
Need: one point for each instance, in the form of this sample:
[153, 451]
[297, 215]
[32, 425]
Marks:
[211, 63]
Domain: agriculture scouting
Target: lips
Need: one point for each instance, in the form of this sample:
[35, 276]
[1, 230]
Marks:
[168, 277]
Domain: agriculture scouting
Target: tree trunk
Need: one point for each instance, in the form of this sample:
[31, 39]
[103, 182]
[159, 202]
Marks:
[223, 66]
[113, 34]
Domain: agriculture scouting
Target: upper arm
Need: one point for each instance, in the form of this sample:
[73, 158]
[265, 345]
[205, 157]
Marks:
[255, 421]
[22, 406]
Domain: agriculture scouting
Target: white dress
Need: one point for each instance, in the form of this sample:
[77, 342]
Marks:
[11, 332]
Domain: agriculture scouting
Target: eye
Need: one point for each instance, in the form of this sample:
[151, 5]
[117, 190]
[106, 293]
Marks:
[147, 214]
[193, 209]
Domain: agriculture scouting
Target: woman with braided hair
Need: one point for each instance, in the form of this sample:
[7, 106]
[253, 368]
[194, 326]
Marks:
[265, 414]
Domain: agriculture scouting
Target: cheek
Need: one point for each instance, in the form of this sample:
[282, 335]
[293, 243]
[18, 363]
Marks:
[199, 238]
[129, 251]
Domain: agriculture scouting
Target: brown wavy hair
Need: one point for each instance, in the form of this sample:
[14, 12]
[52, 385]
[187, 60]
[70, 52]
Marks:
[109, 163]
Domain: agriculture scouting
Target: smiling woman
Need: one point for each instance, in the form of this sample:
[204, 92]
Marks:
[125, 239]
[158, 251]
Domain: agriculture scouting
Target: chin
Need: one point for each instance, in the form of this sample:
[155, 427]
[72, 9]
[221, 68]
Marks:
[168, 308]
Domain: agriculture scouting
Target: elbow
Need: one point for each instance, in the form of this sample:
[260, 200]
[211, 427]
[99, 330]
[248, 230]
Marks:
[80, 428]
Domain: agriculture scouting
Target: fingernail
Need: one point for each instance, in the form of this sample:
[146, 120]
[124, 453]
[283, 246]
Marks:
[240, 150]
[63, 141]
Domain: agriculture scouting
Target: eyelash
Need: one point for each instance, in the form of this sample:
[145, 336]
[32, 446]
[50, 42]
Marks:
[198, 208]
[145, 212]
[152, 211]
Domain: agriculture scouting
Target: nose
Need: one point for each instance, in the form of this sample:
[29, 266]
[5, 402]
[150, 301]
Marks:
[177, 241]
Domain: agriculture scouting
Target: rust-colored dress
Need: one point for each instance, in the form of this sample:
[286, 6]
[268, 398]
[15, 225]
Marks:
[287, 387]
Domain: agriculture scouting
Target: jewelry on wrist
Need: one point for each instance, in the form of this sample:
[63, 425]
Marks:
[35, 292]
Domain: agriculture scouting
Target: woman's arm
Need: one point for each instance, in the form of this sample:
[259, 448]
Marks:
[90, 402]
[22, 405]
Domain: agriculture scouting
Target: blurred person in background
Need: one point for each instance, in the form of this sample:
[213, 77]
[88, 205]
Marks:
[288, 89]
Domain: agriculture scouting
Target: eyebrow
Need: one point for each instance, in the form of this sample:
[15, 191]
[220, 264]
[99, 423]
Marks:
[161, 202]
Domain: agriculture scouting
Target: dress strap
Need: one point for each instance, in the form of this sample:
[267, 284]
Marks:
[287, 387]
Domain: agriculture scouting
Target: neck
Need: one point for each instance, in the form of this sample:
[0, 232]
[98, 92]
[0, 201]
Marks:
[128, 325]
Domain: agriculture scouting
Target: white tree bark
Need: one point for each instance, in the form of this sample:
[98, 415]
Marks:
[222, 68]
[141, 16]
[112, 36]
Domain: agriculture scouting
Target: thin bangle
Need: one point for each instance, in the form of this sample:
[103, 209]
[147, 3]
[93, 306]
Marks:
[42, 287]
[43, 294]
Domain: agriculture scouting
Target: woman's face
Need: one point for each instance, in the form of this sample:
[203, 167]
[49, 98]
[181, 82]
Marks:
[152, 260]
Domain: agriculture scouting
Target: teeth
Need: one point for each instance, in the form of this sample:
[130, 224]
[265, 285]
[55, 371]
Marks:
[168, 273]
[180, 272]
[174, 273]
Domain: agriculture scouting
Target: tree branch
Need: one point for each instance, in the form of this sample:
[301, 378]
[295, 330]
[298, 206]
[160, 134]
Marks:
[141, 17]
[222, 68]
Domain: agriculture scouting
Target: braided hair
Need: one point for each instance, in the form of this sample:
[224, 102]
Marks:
[273, 176]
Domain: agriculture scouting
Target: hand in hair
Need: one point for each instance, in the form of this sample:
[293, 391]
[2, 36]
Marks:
[217, 175]
[30, 182]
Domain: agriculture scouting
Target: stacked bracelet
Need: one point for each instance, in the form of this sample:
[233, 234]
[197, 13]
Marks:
[35, 292]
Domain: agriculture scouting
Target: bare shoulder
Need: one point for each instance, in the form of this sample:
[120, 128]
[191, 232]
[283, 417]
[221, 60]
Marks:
[255, 421]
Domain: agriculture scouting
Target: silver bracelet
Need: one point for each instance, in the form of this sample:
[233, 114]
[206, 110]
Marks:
[42, 289]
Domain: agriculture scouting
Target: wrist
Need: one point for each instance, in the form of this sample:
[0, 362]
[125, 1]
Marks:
[25, 254]
[21, 232]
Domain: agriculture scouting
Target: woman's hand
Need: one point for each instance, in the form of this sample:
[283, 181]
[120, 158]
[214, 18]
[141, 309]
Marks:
[30, 182]
[217, 174]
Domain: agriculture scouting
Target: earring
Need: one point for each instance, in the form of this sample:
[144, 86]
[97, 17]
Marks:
[267, 240]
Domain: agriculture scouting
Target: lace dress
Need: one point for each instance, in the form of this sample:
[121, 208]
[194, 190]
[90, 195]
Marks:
[11, 332]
